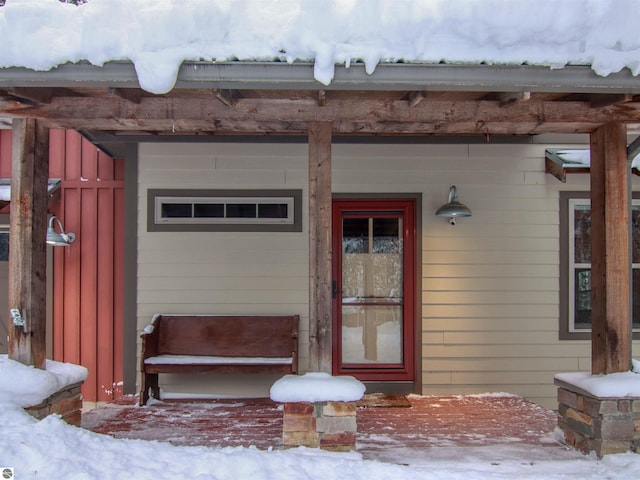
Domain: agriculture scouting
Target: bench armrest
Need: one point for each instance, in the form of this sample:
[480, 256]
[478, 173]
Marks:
[149, 338]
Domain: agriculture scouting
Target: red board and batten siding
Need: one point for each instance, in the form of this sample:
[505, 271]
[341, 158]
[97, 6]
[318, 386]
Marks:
[5, 153]
[88, 275]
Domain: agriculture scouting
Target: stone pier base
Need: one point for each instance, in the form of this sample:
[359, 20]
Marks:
[326, 425]
[66, 402]
[601, 425]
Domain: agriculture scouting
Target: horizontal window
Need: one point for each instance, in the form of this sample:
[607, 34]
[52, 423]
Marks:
[225, 210]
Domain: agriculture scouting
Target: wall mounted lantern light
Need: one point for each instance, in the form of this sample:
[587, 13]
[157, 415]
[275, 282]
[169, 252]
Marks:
[56, 239]
[453, 208]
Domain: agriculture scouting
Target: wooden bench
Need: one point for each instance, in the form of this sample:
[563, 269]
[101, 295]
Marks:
[216, 344]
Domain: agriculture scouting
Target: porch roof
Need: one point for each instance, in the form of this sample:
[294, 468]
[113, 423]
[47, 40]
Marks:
[267, 98]
[561, 161]
[299, 75]
[53, 184]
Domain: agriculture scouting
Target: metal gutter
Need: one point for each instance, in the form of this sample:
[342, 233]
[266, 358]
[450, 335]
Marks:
[299, 76]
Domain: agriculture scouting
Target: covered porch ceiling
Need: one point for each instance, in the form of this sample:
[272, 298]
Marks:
[268, 99]
[253, 98]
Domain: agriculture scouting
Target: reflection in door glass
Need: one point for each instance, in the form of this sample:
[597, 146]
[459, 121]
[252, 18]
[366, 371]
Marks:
[386, 235]
[372, 290]
[355, 235]
[371, 334]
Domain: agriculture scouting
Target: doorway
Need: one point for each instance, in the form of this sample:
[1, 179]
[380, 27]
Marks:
[374, 289]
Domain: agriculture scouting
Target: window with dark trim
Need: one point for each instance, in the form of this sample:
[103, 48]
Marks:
[575, 265]
[224, 210]
[4, 238]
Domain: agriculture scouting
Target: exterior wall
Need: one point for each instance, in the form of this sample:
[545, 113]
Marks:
[490, 284]
[88, 275]
[223, 273]
[85, 280]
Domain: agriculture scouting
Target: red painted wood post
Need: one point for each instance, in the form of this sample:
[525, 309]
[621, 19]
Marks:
[27, 246]
[610, 251]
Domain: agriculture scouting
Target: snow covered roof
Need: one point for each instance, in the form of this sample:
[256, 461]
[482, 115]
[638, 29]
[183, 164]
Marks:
[5, 189]
[561, 161]
[157, 36]
[401, 67]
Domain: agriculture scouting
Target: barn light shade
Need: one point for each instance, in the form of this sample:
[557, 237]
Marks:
[56, 239]
[453, 208]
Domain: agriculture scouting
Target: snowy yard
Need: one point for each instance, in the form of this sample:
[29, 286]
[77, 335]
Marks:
[50, 449]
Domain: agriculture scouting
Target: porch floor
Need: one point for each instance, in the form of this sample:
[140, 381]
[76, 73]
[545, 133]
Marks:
[383, 432]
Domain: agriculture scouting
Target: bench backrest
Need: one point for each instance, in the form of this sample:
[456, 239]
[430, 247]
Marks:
[227, 336]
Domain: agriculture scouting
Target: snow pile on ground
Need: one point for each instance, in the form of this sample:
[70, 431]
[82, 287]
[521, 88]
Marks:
[158, 35]
[27, 386]
[51, 448]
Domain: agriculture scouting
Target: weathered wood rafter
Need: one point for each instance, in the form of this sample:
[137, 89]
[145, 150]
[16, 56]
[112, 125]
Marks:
[602, 100]
[357, 112]
[322, 98]
[510, 98]
[227, 97]
[129, 94]
[415, 98]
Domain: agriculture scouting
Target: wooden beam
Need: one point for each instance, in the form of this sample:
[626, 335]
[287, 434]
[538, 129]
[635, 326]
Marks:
[322, 98]
[348, 115]
[633, 149]
[415, 98]
[600, 100]
[227, 97]
[320, 300]
[610, 251]
[510, 98]
[133, 95]
[553, 166]
[27, 248]
[10, 104]
[35, 95]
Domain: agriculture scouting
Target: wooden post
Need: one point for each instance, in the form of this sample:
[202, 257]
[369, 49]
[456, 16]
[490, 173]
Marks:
[27, 246]
[320, 246]
[610, 251]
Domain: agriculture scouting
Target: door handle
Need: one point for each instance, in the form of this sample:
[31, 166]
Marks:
[334, 289]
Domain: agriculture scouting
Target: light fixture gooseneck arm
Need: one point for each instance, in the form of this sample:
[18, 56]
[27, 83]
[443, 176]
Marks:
[61, 239]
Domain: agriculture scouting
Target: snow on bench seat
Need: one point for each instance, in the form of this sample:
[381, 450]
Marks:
[235, 344]
[208, 360]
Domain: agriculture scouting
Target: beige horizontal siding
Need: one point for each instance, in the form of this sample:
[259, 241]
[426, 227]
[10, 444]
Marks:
[221, 282]
[453, 272]
[494, 364]
[506, 351]
[540, 337]
[222, 272]
[488, 284]
[491, 324]
[489, 302]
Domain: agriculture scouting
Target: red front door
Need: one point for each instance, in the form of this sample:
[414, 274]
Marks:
[374, 289]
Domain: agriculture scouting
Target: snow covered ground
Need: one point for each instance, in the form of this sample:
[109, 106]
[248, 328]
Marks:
[51, 449]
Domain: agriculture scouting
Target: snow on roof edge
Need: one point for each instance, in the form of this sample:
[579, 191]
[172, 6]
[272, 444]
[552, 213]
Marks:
[157, 37]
